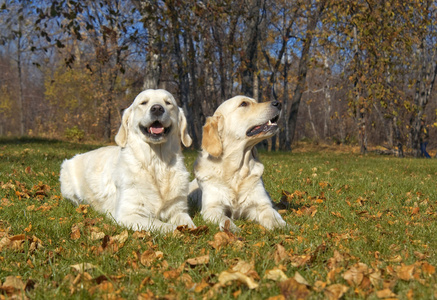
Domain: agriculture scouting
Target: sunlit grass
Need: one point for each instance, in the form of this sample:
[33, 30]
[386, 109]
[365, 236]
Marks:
[375, 210]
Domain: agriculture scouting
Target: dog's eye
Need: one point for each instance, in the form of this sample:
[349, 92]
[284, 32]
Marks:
[144, 102]
[244, 104]
[167, 103]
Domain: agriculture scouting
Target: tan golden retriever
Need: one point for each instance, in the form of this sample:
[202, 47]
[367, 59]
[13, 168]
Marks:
[142, 183]
[228, 173]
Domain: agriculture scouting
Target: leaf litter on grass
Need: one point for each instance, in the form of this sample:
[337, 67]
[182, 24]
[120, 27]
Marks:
[327, 255]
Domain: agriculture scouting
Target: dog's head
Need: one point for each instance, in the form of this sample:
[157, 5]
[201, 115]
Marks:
[240, 121]
[154, 117]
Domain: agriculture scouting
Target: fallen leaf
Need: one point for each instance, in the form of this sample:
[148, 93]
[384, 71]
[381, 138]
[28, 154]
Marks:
[291, 289]
[75, 232]
[121, 238]
[405, 272]
[226, 277]
[105, 287]
[200, 260]
[355, 275]
[299, 278]
[385, 293]
[335, 291]
[221, 239]
[14, 282]
[275, 275]
[428, 269]
[82, 267]
[280, 254]
[300, 260]
[149, 256]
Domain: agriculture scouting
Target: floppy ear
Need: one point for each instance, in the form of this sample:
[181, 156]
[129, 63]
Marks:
[211, 142]
[121, 137]
[185, 137]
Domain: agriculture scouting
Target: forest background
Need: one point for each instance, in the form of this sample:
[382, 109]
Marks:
[353, 72]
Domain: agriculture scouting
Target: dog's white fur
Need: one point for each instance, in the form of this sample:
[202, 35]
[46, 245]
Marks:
[228, 174]
[142, 183]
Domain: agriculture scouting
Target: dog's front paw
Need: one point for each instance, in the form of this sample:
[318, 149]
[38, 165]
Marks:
[271, 219]
[183, 219]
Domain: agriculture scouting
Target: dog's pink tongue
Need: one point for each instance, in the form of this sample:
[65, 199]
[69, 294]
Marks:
[156, 129]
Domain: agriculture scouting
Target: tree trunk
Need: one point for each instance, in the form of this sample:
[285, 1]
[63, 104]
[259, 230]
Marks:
[301, 75]
[21, 104]
[248, 60]
[183, 82]
[424, 86]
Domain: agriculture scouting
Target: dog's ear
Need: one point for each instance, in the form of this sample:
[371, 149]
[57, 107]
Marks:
[211, 142]
[185, 137]
[121, 137]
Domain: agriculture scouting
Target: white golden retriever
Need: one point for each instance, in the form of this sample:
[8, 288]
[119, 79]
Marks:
[142, 183]
[227, 170]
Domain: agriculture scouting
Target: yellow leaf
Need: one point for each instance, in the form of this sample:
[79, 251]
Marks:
[226, 277]
[200, 260]
[335, 291]
[82, 267]
[385, 293]
[275, 275]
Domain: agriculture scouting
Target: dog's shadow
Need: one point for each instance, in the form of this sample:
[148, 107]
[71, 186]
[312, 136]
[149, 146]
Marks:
[287, 203]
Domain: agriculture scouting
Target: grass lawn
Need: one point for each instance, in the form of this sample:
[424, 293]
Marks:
[361, 227]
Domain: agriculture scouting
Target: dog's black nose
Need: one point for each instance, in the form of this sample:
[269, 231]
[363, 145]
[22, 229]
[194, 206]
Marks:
[157, 110]
[277, 104]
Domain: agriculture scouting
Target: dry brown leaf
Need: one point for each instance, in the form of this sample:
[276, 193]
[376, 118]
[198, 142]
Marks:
[275, 275]
[105, 287]
[198, 287]
[82, 208]
[375, 278]
[200, 260]
[82, 267]
[227, 276]
[405, 272]
[319, 286]
[121, 238]
[75, 232]
[246, 268]
[278, 297]
[150, 256]
[299, 278]
[428, 269]
[13, 282]
[148, 295]
[222, 239]
[421, 256]
[97, 235]
[336, 260]
[300, 260]
[385, 293]
[335, 291]
[355, 275]
[187, 280]
[171, 274]
[280, 254]
[291, 289]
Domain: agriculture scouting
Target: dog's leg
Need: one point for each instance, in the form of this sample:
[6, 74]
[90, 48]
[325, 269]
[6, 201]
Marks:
[140, 222]
[176, 212]
[216, 203]
[261, 209]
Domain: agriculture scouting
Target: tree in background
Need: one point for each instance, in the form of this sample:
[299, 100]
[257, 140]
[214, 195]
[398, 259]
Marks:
[354, 71]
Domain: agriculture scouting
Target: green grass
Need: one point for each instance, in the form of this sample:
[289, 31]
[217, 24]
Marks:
[344, 209]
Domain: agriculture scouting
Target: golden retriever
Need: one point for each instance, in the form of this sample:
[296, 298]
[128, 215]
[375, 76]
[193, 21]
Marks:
[142, 183]
[228, 173]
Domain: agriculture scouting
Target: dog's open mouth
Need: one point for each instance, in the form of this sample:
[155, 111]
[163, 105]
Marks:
[264, 128]
[155, 130]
